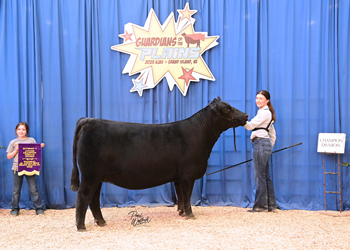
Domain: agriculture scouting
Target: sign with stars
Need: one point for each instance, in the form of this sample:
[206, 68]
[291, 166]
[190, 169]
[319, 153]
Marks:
[172, 50]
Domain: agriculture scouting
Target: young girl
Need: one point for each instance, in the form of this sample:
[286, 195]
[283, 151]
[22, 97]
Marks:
[263, 138]
[22, 131]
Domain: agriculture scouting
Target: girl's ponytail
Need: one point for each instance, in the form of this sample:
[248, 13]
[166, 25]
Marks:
[269, 104]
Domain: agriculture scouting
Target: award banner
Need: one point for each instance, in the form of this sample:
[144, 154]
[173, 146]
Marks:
[29, 158]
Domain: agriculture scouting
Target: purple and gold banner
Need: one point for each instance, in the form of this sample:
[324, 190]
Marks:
[29, 158]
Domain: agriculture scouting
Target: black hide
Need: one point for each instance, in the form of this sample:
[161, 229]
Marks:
[139, 156]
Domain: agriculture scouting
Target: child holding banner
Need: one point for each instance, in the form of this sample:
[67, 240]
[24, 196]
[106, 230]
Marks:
[22, 131]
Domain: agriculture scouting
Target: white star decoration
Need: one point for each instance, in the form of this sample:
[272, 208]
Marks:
[138, 86]
[166, 50]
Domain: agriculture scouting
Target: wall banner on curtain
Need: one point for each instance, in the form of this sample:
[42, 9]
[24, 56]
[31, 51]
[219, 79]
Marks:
[172, 50]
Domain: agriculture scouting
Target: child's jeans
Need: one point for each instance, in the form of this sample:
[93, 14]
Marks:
[33, 190]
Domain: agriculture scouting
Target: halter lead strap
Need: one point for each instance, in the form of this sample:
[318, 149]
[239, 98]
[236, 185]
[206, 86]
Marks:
[230, 120]
[234, 138]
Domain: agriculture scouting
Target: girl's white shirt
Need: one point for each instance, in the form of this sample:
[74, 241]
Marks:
[262, 120]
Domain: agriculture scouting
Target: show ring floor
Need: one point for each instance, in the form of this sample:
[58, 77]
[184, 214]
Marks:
[163, 228]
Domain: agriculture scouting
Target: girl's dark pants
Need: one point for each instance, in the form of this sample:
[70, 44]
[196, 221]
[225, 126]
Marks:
[33, 190]
[265, 194]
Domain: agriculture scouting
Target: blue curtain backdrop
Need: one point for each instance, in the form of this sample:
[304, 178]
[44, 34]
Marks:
[56, 65]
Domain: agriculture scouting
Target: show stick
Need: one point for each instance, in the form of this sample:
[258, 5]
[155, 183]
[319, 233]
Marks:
[252, 159]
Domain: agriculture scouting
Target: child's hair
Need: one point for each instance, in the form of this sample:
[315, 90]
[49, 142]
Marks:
[25, 125]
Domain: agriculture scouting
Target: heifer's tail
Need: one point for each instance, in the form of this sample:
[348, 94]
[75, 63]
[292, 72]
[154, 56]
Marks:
[74, 180]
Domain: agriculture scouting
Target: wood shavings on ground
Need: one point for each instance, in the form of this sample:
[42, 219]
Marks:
[163, 228]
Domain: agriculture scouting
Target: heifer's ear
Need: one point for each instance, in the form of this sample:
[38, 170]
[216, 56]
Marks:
[219, 98]
[213, 104]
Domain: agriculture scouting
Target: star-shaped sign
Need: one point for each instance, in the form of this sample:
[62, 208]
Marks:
[187, 13]
[126, 36]
[187, 76]
[138, 86]
[172, 50]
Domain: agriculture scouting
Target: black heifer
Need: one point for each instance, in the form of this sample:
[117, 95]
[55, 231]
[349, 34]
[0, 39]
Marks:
[139, 156]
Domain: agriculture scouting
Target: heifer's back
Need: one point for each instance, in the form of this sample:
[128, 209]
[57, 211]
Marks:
[138, 156]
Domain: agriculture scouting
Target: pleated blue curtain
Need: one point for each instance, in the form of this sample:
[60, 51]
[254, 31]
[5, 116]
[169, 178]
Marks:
[56, 65]
[302, 70]
[342, 80]
[20, 84]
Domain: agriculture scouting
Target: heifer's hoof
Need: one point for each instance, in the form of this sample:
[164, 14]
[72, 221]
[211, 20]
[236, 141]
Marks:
[81, 228]
[181, 213]
[101, 223]
[189, 216]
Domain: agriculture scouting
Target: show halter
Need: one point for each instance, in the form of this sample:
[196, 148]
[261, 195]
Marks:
[230, 120]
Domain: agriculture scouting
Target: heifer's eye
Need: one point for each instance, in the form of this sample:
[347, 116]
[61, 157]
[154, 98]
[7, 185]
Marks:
[227, 110]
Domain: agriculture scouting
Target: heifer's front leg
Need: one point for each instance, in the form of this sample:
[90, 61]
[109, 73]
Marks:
[180, 200]
[187, 186]
[84, 196]
[95, 207]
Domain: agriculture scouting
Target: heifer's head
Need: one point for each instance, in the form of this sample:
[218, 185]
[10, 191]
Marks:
[224, 110]
[230, 117]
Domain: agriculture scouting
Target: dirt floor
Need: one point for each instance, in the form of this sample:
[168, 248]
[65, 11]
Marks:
[163, 228]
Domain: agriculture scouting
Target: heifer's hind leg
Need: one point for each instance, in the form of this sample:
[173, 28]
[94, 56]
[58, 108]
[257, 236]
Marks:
[85, 193]
[180, 200]
[95, 207]
[187, 186]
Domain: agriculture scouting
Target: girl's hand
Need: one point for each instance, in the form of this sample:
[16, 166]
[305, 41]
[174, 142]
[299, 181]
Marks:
[13, 153]
[42, 145]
